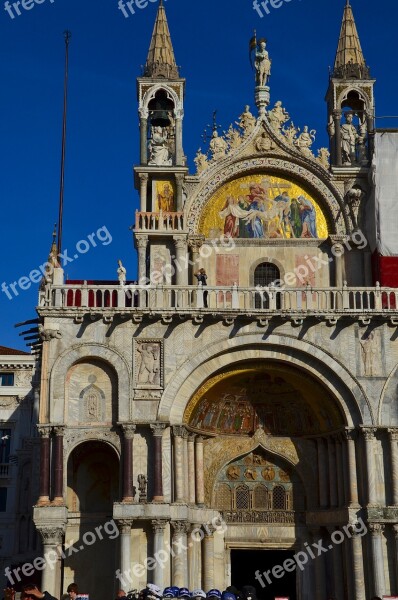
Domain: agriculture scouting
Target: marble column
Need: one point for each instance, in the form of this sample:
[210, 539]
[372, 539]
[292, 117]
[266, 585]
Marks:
[338, 253]
[191, 469]
[186, 472]
[52, 542]
[320, 570]
[144, 191]
[157, 430]
[322, 473]
[125, 545]
[357, 566]
[142, 243]
[178, 464]
[128, 437]
[377, 559]
[337, 560]
[337, 126]
[368, 434]
[395, 530]
[340, 472]
[181, 265]
[179, 115]
[351, 468]
[195, 244]
[158, 551]
[44, 489]
[393, 435]
[332, 472]
[180, 554]
[59, 465]
[144, 135]
[179, 184]
[208, 559]
[199, 472]
[195, 558]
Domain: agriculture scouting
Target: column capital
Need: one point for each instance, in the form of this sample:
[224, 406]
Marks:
[59, 430]
[395, 530]
[128, 430]
[143, 177]
[157, 429]
[209, 531]
[141, 241]
[195, 242]
[191, 437]
[180, 241]
[393, 434]
[44, 430]
[179, 177]
[124, 525]
[51, 535]
[179, 431]
[158, 525]
[199, 439]
[376, 529]
[369, 433]
[180, 527]
[349, 434]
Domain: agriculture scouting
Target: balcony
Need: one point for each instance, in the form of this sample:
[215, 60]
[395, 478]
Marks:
[223, 300]
[4, 471]
[159, 222]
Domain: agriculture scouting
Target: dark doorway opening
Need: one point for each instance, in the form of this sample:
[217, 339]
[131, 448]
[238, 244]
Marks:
[245, 564]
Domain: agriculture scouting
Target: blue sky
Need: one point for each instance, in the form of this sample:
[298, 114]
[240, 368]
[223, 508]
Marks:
[211, 44]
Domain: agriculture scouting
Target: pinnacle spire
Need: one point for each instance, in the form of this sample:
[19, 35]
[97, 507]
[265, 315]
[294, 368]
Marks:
[161, 61]
[350, 62]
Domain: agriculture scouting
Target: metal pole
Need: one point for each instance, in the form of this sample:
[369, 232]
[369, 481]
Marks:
[67, 36]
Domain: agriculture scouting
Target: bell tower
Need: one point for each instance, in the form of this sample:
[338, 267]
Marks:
[350, 100]
[159, 228]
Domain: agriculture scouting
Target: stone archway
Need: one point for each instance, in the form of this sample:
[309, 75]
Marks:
[93, 487]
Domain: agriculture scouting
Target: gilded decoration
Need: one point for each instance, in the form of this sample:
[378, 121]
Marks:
[263, 207]
[164, 195]
[272, 398]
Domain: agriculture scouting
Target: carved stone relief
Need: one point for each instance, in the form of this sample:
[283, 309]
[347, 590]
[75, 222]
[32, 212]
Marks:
[148, 364]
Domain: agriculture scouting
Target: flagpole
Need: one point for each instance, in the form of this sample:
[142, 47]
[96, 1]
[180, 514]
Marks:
[67, 37]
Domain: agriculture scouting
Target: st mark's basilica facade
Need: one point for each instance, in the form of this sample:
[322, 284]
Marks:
[250, 418]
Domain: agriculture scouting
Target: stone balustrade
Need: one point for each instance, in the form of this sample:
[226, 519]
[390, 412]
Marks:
[149, 222]
[363, 302]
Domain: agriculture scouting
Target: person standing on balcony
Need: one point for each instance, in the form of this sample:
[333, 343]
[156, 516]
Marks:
[202, 279]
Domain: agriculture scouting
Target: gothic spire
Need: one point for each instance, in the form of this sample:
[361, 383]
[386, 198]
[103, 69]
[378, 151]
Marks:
[350, 62]
[161, 62]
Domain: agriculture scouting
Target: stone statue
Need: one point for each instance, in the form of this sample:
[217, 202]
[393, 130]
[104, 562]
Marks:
[262, 64]
[349, 138]
[305, 141]
[278, 116]
[264, 143]
[218, 146]
[290, 133]
[159, 153]
[142, 483]
[201, 161]
[234, 138]
[149, 367]
[121, 273]
[369, 353]
[247, 121]
[362, 150]
[323, 157]
[331, 127]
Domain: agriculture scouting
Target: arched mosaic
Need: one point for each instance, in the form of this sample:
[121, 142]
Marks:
[274, 397]
[262, 206]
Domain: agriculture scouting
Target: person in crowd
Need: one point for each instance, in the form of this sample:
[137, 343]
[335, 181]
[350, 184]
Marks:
[30, 591]
[201, 276]
[213, 595]
[198, 594]
[171, 593]
[121, 595]
[184, 593]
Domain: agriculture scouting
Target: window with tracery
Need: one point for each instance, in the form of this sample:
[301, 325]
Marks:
[279, 498]
[242, 497]
[260, 497]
